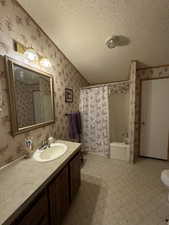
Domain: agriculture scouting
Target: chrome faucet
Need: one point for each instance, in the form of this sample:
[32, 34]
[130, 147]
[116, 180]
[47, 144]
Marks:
[44, 145]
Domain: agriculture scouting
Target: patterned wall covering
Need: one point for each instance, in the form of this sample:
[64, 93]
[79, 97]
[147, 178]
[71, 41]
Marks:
[16, 24]
[151, 73]
[119, 87]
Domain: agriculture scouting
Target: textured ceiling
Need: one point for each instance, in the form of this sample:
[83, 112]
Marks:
[80, 27]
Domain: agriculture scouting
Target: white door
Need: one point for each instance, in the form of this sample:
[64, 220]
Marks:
[155, 118]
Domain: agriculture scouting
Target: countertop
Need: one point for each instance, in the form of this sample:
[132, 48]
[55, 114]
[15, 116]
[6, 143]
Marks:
[20, 182]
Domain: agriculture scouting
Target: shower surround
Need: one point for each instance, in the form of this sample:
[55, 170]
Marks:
[119, 111]
[94, 108]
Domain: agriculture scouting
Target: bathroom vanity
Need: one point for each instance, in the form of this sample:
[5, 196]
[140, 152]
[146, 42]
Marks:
[38, 193]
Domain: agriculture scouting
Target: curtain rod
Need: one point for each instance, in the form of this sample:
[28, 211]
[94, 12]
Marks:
[102, 85]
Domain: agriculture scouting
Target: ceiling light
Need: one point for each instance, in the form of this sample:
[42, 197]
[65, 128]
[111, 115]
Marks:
[112, 42]
[45, 62]
[31, 54]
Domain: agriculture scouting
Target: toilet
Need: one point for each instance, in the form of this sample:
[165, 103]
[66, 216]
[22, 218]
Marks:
[165, 179]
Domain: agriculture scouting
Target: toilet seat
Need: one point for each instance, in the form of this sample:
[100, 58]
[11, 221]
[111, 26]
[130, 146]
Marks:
[165, 177]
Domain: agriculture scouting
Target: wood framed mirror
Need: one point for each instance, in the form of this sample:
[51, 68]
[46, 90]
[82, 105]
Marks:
[31, 97]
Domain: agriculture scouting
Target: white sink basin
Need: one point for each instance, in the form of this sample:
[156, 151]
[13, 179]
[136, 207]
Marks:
[50, 153]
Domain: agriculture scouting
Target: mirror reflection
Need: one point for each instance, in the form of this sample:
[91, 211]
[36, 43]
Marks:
[33, 97]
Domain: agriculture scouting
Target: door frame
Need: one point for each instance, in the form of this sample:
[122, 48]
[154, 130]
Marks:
[140, 107]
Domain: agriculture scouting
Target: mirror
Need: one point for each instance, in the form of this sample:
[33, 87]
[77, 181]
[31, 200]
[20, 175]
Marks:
[31, 97]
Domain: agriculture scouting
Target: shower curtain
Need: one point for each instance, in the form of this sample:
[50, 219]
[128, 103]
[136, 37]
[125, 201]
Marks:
[94, 108]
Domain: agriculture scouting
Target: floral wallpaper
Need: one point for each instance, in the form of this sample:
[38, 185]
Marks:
[16, 24]
[121, 87]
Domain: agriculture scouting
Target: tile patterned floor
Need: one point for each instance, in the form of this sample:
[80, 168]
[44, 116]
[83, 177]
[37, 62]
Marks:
[116, 193]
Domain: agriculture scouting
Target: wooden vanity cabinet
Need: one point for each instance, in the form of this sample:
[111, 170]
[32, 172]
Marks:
[74, 175]
[36, 213]
[58, 191]
[63, 189]
[51, 205]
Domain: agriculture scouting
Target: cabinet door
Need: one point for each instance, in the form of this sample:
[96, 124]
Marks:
[59, 197]
[75, 178]
[36, 213]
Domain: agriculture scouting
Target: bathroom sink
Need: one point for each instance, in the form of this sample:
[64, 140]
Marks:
[50, 153]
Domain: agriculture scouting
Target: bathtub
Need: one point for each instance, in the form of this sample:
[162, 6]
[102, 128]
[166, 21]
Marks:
[119, 150]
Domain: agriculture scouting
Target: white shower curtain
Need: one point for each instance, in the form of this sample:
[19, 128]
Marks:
[94, 108]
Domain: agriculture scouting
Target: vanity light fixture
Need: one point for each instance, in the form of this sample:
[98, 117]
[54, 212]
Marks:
[45, 62]
[31, 54]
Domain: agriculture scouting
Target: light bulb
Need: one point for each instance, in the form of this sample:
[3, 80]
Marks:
[45, 62]
[31, 54]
